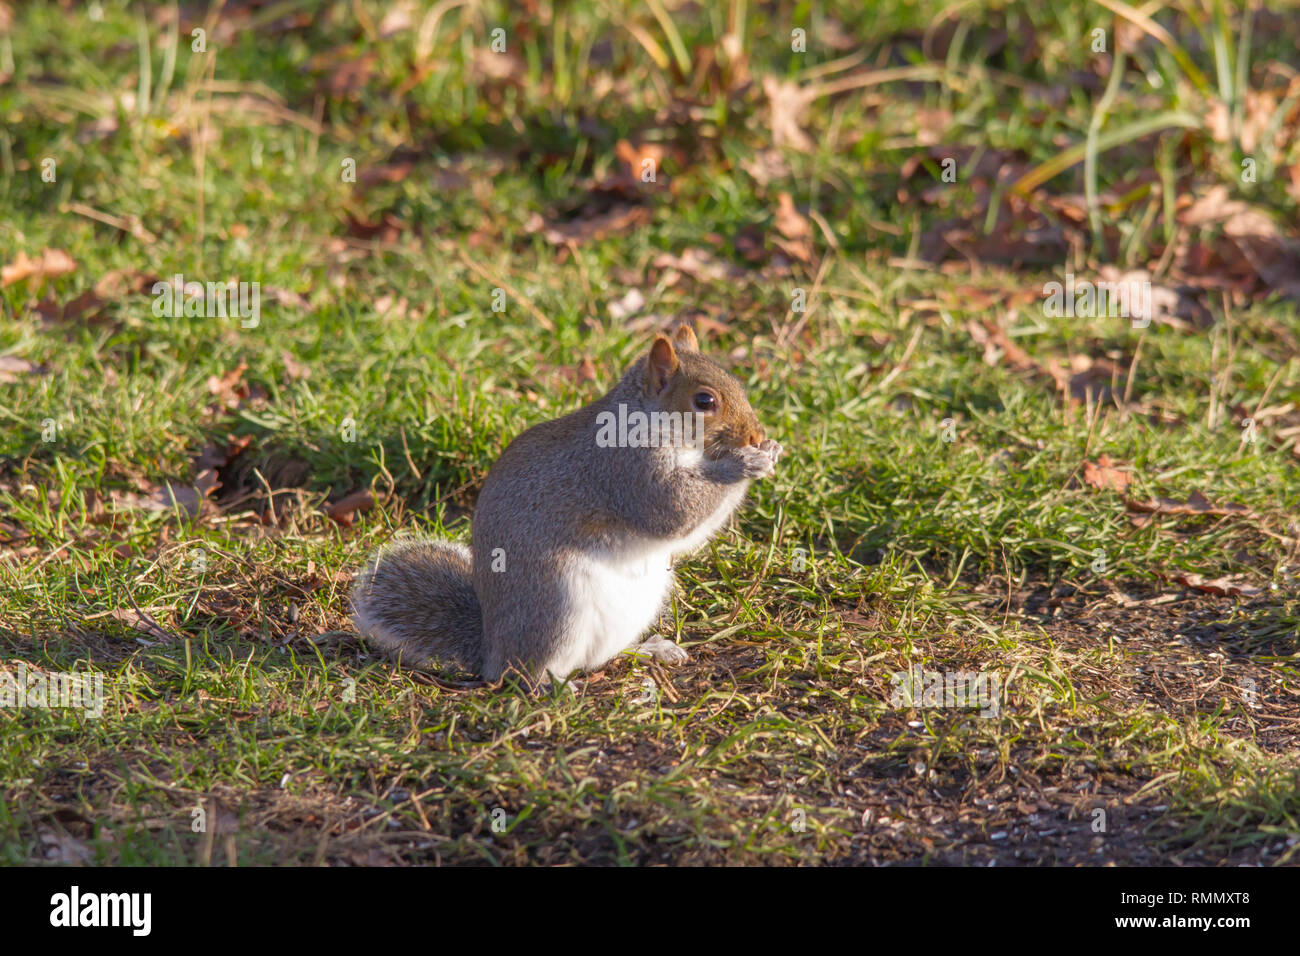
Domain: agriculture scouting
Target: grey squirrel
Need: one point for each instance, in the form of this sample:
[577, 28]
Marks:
[576, 527]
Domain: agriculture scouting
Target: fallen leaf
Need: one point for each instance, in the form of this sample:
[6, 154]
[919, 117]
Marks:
[400, 16]
[768, 165]
[292, 367]
[119, 282]
[348, 78]
[171, 495]
[229, 388]
[1223, 587]
[699, 265]
[63, 848]
[11, 534]
[1080, 376]
[285, 297]
[206, 482]
[641, 160]
[86, 307]
[787, 104]
[1165, 306]
[393, 172]
[629, 305]
[386, 229]
[795, 228]
[391, 304]
[342, 511]
[998, 346]
[751, 245]
[50, 264]
[1105, 475]
[790, 222]
[1196, 504]
[143, 623]
[501, 68]
[589, 228]
[1254, 234]
[12, 368]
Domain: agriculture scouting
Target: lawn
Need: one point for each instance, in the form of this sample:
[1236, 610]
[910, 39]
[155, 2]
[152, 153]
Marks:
[457, 221]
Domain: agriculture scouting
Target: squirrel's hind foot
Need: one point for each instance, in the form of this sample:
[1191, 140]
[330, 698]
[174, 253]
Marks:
[662, 650]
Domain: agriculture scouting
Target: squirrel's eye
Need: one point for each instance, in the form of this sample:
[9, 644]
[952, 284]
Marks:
[705, 401]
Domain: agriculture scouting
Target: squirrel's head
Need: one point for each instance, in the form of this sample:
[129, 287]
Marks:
[679, 379]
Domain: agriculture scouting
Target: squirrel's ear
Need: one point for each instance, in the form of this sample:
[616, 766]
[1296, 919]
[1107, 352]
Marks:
[660, 365]
[684, 338]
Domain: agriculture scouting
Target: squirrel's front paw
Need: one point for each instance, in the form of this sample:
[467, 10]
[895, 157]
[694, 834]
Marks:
[772, 448]
[760, 461]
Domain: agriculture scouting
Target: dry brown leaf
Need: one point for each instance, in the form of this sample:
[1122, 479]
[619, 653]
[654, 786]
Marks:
[119, 282]
[86, 307]
[400, 16]
[640, 159]
[1196, 504]
[795, 229]
[64, 848]
[790, 222]
[393, 172]
[628, 306]
[502, 68]
[389, 304]
[12, 368]
[699, 265]
[1082, 376]
[1165, 305]
[1255, 235]
[229, 388]
[1223, 587]
[787, 105]
[998, 346]
[143, 623]
[348, 78]
[292, 367]
[585, 229]
[1105, 475]
[343, 510]
[386, 229]
[751, 244]
[172, 495]
[767, 165]
[50, 264]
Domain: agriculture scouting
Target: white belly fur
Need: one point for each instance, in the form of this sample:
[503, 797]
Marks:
[621, 593]
[621, 596]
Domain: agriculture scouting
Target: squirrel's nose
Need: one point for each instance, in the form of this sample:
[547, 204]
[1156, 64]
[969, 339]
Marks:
[756, 437]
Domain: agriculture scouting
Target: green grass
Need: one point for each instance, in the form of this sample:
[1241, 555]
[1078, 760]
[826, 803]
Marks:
[878, 545]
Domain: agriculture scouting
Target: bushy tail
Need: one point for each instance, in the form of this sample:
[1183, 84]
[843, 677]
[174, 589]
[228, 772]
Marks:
[415, 600]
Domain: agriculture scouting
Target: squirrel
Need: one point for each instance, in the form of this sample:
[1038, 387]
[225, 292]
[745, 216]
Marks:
[576, 527]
